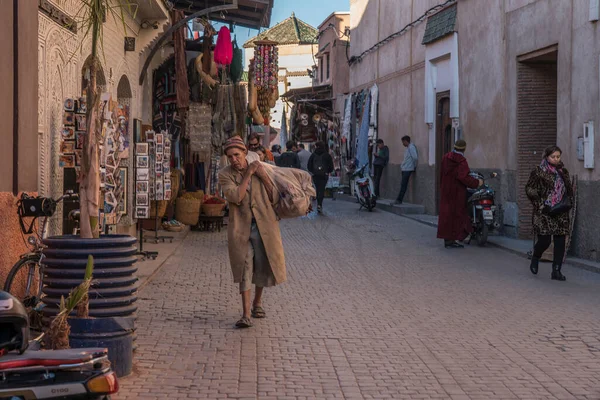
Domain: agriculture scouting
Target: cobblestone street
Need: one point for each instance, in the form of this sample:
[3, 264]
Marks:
[374, 308]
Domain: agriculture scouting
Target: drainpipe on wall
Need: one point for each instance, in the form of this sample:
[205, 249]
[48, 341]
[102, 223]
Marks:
[16, 97]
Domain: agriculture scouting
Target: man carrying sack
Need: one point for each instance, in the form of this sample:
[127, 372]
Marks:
[254, 239]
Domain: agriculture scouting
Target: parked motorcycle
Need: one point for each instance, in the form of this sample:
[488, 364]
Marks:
[28, 374]
[364, 189]
[483, 210]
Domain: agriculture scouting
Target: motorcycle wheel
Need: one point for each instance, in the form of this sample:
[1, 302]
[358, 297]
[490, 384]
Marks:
[482, 236]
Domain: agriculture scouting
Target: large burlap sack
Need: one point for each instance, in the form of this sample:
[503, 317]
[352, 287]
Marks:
[294, 191]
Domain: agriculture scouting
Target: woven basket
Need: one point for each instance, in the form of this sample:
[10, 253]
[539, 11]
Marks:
[162, 208]
[199, 194]
[187, 211]
[212, 210]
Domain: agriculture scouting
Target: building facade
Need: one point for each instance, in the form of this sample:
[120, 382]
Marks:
[332, 59]
[510, 77]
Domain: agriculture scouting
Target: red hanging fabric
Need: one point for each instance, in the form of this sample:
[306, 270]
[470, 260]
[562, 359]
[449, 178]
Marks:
[224, 48]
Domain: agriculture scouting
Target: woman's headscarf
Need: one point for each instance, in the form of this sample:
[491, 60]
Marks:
[559, 189]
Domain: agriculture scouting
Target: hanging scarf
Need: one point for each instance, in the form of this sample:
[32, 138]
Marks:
[558, 191]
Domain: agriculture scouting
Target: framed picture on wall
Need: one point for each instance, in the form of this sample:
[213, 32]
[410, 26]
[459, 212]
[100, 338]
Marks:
[142, 212]
[141, 149]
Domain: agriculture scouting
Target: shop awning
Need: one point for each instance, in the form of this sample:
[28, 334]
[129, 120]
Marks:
[254, 14]
[311, 93]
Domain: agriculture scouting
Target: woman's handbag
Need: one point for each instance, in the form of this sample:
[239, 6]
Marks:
[561, 207]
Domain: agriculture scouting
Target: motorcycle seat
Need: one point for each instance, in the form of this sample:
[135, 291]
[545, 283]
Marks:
[50, 358]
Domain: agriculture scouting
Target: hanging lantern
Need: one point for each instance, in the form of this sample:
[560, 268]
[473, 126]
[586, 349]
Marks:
[224, 48]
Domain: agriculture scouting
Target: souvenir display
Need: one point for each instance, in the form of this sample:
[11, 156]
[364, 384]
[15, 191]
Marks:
[79, 139]
[66, 161]
[266, 69]
[142, 161]
[69, 105]
[67, 147]
[142, 212]
[141, 149]
[72, 142]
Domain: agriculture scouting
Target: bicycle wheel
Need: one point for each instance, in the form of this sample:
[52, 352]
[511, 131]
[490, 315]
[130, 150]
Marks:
[24, 281]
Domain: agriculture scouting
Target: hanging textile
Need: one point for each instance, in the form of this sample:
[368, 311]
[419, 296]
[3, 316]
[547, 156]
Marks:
[362, 153]
[237, 64]
[353, 123]
[214, 175]
[283, 133]
[181, 81]
[224, 47]
[347, 118]
[374, 105]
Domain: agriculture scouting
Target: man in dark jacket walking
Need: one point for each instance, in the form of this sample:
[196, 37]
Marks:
[382, 157]
[320, 165]
[454, 223]
[289, 159]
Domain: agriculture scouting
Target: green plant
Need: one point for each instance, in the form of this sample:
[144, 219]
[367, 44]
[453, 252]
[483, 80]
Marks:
[58, 333]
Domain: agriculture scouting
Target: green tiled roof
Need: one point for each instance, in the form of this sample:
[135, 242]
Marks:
[289, 31]
[440, 25]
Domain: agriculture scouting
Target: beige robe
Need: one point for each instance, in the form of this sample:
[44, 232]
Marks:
[256, 201]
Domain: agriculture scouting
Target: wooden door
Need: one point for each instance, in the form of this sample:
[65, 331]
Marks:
[444, 138]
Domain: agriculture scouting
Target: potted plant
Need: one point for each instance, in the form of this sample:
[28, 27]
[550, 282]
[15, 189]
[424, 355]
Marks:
[82, 331]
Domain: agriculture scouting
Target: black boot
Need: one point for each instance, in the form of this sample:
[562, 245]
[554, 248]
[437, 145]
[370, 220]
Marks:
[533, 267]
[556, 274]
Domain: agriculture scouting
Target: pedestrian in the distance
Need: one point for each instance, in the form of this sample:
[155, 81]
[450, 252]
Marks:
[454, 224]
[262, 154]
[382, 157]
[320, 165]
[254, 145]
[551, 192]
[409, 165]
[303, 155]
[289, 159]
[253, 235]
[276, 151]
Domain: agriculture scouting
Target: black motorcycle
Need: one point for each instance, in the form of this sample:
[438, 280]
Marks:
[482, 208]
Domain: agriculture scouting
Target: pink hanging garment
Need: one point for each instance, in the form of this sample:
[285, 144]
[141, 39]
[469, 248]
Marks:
[224, 48]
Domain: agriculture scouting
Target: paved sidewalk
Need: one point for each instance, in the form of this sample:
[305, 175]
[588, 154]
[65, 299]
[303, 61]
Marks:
[375, 308]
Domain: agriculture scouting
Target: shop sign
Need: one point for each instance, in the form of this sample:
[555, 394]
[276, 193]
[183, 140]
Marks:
[58, 16]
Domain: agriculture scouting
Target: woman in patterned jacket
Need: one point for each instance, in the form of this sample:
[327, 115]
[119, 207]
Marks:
[550, 191]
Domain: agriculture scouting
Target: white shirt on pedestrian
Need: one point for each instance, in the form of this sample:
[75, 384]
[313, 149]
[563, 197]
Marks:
[411, 158]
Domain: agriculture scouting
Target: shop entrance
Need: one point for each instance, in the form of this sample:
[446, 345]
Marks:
[536, 121]
[444, 138]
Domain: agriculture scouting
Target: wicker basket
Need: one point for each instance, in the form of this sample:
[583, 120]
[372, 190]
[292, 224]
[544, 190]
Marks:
[187, 211]
[161, 206]
[212, 210]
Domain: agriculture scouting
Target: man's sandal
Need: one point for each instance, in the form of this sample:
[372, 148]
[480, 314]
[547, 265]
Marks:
[244, 323]
[258, 312]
